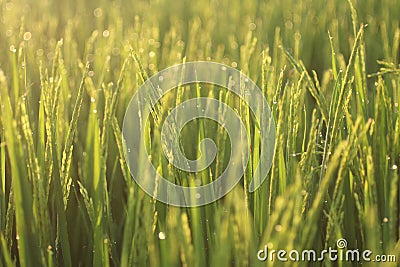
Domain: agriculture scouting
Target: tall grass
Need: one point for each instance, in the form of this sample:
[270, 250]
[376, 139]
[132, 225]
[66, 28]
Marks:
[329, 70]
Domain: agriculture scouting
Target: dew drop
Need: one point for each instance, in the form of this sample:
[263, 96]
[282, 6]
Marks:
[98, 12]
[27, 36]
[106, 33]
[278, 228]
[161, 235]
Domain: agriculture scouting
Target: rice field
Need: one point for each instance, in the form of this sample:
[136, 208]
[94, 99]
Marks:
[329, 70]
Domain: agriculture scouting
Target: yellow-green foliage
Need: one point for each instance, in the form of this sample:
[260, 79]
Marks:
[329, 70]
